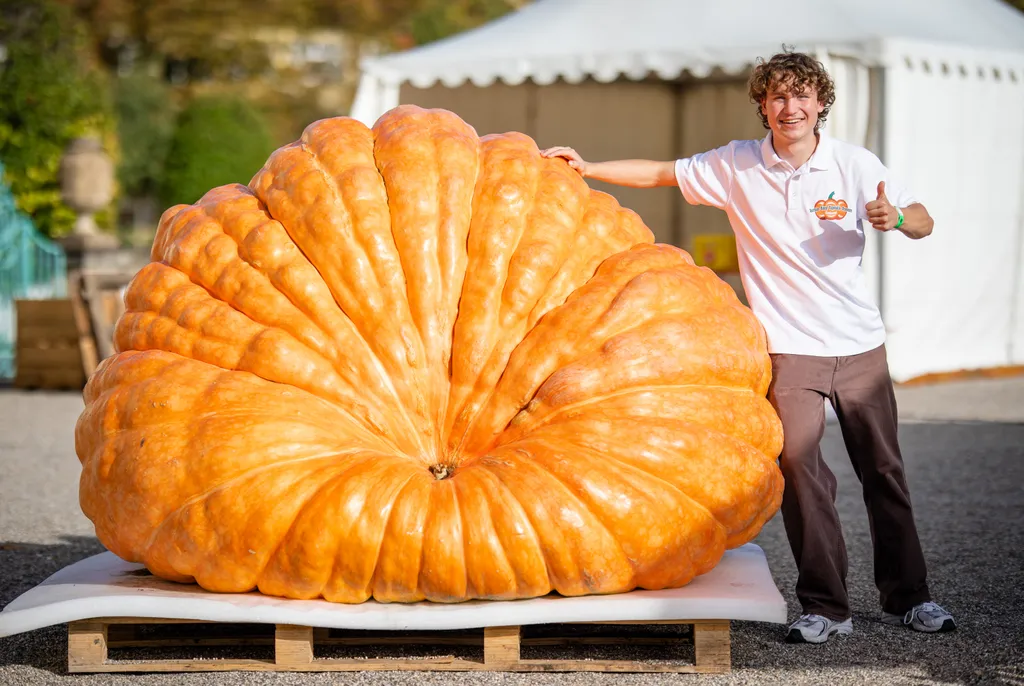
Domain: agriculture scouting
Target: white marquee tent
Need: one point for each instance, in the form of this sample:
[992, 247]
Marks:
[935, 87]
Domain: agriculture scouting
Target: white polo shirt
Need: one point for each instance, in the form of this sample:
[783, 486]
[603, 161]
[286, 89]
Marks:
[799, 238]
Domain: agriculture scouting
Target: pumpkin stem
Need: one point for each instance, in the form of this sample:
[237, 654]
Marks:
[442, 471]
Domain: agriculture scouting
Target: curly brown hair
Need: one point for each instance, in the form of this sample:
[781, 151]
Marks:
[791, 71]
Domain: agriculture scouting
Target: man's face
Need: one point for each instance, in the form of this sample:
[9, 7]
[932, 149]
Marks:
[792, 112]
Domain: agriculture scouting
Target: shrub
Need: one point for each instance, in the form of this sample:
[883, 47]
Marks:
[145, 124]
[217, 141]
[51, 94]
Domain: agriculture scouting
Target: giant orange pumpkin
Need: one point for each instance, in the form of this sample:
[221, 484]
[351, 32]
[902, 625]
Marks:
[410, 363]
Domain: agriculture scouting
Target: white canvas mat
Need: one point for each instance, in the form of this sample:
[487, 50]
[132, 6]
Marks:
[739, 588]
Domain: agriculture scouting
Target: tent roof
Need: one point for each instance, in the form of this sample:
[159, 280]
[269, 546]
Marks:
[606, 39]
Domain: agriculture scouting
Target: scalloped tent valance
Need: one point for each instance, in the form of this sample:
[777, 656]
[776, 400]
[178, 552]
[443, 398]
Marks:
[609, 39]
[910, 77]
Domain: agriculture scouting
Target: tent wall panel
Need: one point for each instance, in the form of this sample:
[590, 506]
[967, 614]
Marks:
[601, 120]
[712, 114]
[935, 89]
[954, 300]
[612, 121]
[495, 109]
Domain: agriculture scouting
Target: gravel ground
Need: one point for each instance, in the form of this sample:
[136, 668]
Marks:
[963, 444]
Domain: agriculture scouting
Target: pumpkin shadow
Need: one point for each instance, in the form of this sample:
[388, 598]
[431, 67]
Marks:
[965, 483]
[22, 566]
[965, 486]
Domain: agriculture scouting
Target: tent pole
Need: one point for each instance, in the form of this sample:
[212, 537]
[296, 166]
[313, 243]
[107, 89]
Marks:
[532, 93]
[1017, 288]
[877, 122]
[677, 145]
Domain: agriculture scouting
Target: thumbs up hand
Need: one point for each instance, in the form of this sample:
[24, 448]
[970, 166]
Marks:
[880, 212]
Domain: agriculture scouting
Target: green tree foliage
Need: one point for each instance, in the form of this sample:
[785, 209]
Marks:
[217, 141]
[374, 18]
[213, 35]
[437, 19]
[145, 123]
[219, 36]
[221, 47]
[225, 47]
[50, 95]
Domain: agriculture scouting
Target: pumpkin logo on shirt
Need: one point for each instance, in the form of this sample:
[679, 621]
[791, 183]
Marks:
[830, 208]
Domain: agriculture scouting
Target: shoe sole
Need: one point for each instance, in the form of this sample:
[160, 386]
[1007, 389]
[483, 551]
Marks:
[947, 626]
[794, 636]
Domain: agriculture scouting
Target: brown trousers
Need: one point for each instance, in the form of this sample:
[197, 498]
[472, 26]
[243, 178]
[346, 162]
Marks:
[860, 389]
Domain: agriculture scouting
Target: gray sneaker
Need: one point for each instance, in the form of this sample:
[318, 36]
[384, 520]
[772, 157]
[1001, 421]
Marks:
[928, 617]
[817, 629]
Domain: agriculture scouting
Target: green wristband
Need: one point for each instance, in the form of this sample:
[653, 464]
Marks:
[899, 223]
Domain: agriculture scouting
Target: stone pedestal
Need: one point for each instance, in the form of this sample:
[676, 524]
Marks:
[90, 251]
[86, 181]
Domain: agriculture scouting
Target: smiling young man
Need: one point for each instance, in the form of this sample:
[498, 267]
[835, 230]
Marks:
[799, 203]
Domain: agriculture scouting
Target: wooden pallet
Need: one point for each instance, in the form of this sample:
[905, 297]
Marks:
[89, 642]
[47, 354]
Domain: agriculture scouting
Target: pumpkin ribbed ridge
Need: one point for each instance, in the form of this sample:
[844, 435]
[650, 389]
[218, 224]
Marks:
[410, 363]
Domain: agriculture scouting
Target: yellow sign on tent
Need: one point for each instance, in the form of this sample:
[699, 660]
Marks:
[716, 251]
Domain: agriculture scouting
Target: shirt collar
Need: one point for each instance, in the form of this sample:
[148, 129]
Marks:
[768, 154]
[821, 159]
[823, 156]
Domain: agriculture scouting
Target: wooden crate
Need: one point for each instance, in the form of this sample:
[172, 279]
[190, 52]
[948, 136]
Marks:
[292, 647]
[100, 295]
[47, 353]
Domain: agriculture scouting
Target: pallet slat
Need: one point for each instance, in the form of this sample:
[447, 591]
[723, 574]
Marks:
[293, 645]
[52, 379]
[712, 646]
[87, 645]
[501, 645]
[241, 641]
[65, 358]
[46, 351]
[83, 324]
[89, 640]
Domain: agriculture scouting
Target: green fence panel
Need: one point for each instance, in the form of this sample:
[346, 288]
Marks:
[31, 267]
